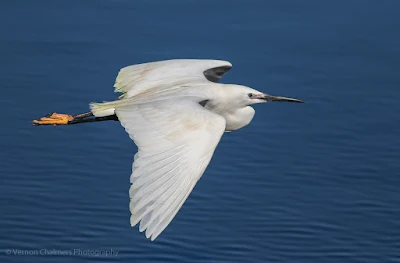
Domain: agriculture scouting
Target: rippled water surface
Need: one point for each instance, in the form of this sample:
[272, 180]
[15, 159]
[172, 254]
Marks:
[316, 182]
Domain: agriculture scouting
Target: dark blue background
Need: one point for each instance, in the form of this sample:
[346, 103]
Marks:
[317, 182]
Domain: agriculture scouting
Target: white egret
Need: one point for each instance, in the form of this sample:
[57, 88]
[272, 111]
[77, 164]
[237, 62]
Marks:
[175, 112]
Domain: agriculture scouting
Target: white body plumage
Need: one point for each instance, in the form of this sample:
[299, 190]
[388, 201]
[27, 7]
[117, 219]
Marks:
[175, 112]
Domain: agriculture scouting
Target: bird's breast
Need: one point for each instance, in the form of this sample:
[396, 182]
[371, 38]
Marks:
[238, 119]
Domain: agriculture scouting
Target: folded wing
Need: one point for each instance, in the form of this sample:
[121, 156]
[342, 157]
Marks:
[176, 140]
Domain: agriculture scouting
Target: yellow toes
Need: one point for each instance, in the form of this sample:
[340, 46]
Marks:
[61, 116]
[54, 119]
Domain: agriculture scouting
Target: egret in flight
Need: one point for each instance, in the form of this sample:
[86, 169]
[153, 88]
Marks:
[176, 112]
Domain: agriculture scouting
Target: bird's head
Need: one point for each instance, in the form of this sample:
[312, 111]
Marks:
[245, 96]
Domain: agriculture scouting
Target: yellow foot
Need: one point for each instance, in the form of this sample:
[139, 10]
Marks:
[54, 119]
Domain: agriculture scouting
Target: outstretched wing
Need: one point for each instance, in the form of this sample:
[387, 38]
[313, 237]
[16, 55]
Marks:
[176, 140]
[136, 79]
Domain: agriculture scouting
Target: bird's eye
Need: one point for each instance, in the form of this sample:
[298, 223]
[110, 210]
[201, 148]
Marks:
[250, 95]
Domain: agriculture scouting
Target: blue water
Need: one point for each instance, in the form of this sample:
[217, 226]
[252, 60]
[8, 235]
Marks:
[314, 182]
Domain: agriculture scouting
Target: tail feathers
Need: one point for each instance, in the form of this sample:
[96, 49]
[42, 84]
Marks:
[103, 109]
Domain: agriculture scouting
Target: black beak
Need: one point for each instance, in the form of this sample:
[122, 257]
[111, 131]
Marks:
[281, 99]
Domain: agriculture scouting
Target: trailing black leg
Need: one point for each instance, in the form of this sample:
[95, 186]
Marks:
[66, 119]
[88, 117]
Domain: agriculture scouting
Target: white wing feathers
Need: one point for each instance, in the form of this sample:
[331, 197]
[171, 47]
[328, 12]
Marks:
[135, 79]
[149, 80]
[176, 140]
[176, 137]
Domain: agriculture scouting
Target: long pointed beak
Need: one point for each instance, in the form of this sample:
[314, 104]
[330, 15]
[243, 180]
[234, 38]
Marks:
[281, 99]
